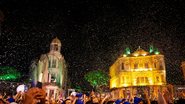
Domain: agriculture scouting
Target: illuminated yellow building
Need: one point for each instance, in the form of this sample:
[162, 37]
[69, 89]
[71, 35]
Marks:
[183, 68]
[136, 70]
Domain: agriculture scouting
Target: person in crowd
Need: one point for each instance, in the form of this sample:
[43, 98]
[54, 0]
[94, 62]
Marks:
[105, 99]
[79, 99]
[67, 101]
[154, 102]
[118, 101]
[2, 101]
[10, 99]
[161, 99]
[34, 96]
[138, 100]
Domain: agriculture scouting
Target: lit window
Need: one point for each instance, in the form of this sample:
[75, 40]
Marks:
[161, 65]
[138, 81]
[127, 79]
[146, 80]
[54, 64]
[49, 64]
[155, 64]
[146, 65]
[53, 78]
[126, 66]
[162, 78]
[136, 66]
[157, 79]
[56, 47]
[142, 79]
[122, 66]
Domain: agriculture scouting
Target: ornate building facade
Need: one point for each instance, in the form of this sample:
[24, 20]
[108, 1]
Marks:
[51, 70]
[133, 71]
[183, 68]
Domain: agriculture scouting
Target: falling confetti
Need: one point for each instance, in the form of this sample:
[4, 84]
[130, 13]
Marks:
[93, 33]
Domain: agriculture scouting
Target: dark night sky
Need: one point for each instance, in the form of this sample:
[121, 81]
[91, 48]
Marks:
[93, 33]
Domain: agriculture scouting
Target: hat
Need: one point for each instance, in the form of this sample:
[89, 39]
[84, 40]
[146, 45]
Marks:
[87, 94]
[79, 95]
[118, 101]
[123, 99]
[79, 101]
[73, 93]
[137, 100]
[10, 100]
[126, 102]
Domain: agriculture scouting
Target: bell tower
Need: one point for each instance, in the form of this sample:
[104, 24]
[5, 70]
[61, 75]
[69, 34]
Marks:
[51, 70]
[55, 45]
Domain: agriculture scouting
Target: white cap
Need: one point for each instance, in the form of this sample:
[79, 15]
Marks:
[73, 93]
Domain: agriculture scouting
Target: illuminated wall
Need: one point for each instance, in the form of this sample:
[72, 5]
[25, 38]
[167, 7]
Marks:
[51, 67]
[183, 68]
[139, 68]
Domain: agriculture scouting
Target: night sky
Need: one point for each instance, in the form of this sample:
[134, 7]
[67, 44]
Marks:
[93, 33]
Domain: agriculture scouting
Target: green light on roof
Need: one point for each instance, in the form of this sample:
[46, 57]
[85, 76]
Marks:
[151, 49]
[124, 55]
[127, 51]
[156, 51]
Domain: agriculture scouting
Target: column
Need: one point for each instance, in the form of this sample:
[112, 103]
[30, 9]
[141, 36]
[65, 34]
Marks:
[40, 77]
[48, 92]
[49, 78]
[55, 93]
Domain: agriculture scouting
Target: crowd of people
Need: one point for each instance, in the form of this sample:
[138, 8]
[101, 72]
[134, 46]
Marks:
[37, 95]
[163, 97]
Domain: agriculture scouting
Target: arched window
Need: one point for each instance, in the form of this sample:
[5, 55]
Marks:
[157, 79]
[49, 64]
[142, 80]
[146, 65]
[54, 63]
[155, 64]
[135, 65]
[127, 67]
[146, 80]
[162, 78]
[56, 47]
[161, 65]
[122, 66]
[53, 79]
[138, 81]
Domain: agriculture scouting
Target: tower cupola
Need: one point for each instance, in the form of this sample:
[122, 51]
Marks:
[55, 45]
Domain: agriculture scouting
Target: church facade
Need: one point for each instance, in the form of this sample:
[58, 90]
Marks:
[134, 71]
[51, 70]
[183, 68]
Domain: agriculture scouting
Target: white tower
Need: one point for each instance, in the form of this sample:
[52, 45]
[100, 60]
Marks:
[51, 69]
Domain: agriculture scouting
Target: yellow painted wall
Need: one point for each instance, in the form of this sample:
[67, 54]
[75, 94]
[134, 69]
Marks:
[138, 71]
